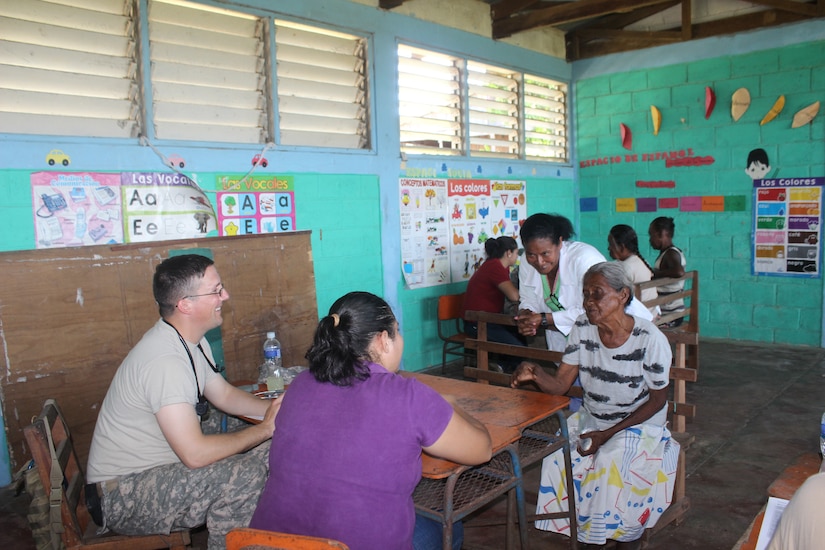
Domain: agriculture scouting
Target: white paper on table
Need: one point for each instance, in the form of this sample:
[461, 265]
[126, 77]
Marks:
[773, 513]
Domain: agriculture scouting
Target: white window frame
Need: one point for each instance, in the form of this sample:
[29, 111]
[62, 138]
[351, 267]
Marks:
[495, 111]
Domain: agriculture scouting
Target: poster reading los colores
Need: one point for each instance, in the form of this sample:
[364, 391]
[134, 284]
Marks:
[445, 223]
[788, 226]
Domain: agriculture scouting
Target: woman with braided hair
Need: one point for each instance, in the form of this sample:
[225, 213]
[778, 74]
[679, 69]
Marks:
[623, 246]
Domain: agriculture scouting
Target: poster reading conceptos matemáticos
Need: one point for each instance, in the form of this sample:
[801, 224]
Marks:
[788, 226]
[445, 222]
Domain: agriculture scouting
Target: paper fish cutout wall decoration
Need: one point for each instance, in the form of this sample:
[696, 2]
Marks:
[775, 110]
[656, 115]
[627, 136]
[710, 101]
[804, 116]
[740, 102]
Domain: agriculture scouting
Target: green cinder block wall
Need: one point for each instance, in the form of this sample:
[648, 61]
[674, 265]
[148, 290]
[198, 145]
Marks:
[734, 303]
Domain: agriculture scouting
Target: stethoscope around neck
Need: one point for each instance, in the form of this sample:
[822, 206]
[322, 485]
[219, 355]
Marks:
[202, 407]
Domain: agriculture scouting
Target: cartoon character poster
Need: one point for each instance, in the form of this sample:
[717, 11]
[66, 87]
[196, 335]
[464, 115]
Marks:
[76, 209]
[787, 226]
[445, 223]
[255, 204]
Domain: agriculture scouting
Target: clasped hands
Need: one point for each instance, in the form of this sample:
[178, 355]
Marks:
[528, 322]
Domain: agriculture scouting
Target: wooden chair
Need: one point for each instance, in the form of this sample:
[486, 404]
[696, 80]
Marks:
[244, 538]
[54, 455]
[450, 329]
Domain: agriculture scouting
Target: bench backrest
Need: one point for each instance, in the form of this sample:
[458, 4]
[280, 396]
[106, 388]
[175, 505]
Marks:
[690, 295]
[678, 408]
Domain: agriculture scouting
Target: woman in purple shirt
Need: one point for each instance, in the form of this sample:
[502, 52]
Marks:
[346, 452]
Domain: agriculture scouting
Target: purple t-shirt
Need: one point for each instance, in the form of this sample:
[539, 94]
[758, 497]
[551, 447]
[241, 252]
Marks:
[344, 461]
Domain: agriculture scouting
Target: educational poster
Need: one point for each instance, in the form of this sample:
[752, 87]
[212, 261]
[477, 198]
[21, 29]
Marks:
[255, 204]
[76, 209]
[787, 226]
[162, 206]
[424, 232]
[445, 223]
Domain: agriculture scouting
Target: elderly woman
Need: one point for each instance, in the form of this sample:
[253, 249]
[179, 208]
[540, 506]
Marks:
[625, 464]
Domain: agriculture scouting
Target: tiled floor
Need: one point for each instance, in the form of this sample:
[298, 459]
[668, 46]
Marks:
[758, 408]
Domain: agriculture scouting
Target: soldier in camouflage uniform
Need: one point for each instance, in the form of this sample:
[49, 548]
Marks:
[152, 463]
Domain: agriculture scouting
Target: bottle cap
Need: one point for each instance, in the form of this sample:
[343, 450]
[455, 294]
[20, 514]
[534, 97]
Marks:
[270, 334]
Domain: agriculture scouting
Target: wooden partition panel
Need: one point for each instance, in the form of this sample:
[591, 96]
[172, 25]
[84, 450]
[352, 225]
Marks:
[69, 316]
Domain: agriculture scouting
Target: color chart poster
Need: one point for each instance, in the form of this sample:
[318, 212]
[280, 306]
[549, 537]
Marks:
[254, 204]
[445, 223]
[787, 227]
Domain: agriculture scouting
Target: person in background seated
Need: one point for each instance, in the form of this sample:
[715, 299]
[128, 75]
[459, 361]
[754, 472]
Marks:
[346, 453]
[670, 263]
[624, 466]
[486, 291]
[623, 246]
[802, 526]
[550, 281]
[154, 465]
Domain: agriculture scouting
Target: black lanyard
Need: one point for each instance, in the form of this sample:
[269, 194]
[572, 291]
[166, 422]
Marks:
[202, 407]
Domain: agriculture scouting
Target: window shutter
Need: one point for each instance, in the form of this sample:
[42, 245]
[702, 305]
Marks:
[493, 110]
[208, 73]
[545, 119]
[68, 68]
[322, 87]
[429, 102]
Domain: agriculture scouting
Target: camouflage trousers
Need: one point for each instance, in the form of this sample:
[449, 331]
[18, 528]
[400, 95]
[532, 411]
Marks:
[171, 497]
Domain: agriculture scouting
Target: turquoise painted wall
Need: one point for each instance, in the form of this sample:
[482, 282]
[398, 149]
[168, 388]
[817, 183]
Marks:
[734, 303]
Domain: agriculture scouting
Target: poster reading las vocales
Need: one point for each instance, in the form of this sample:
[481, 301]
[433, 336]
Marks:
[788, 226]
[445, 223]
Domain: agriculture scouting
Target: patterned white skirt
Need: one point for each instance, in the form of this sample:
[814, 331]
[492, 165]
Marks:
[620, 491]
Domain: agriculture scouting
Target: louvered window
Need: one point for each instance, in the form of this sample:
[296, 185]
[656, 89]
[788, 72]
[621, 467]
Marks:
[208, 73]
[322, 87]
[545, 118]
[452, 106]
[67, 67]
[429, 102]
[493, 110]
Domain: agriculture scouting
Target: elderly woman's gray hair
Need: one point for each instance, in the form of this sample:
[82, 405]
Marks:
[615, 276]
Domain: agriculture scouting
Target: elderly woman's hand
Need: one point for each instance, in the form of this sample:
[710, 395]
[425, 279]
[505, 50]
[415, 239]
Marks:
[526, 372]
[597, 439]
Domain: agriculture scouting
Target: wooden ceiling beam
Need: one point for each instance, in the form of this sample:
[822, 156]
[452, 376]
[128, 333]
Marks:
[622, 20]
[506, 8]
[567, 12]
[389, 4]
[594, 42]
[809, 9]
[687, 20]
[744, 23]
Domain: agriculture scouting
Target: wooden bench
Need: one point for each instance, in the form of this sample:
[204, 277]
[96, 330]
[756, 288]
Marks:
[685, 337]
[678, 408]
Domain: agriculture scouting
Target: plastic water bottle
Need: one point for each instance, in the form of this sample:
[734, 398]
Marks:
[822, 435]
[270, 372]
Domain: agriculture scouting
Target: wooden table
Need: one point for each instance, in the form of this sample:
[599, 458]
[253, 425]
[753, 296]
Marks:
[448, 492]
